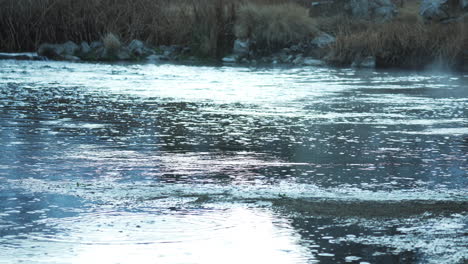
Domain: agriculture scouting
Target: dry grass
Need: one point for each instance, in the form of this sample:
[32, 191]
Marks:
[409, 12]
[402, 44]
[111, 42]
[341, 24]
[210, 27]
[25, 24]
[206, 25]
[273, 26]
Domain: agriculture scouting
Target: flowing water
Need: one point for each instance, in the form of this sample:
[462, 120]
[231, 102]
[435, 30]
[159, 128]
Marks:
[144, 163]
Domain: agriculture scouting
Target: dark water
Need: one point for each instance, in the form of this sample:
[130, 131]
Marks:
[192, 164]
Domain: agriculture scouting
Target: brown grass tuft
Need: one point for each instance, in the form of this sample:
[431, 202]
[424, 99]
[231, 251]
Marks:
[111, 42]
[402, 44]
[274, 26]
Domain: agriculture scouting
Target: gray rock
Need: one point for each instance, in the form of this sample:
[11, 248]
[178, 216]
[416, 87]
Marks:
[464, 4]
[153, 57]
[436, 10]
[70, 48]
[384, 13]
[20, 56]
[58, 51]
[313, 62]
[100, 53]
[298, 60]
[368, 62]
[123, 54]
[241, 48]
[230, 59]
[378, 10]
[71, 58]
[52, 51]
[171, 51]
[359, 8]
[96, 45]
[85, 48]
[137, 48]
[296, 48]
[323, 40]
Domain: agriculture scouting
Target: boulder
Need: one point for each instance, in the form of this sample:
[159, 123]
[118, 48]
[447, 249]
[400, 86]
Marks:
[85, 48]
[241, 48]
[320, 45]
[299, 60]
[123, 54]
[58, 51]
[20, 56]
[313, 62]
[70, 58]
[96, 45]
[367, 62]
[153, 57]
[464, 4]
[384, 13]
[172, 51]
[52, 51]
[378, 10]
[230, 59]
[434, 10]
[70, 48]
[323, 40]
[136, 48]
[443, 10]
[359, 8]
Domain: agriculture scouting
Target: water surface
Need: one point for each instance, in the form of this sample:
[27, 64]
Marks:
[144, 163]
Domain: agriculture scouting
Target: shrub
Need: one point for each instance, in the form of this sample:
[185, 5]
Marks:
[111, 42]
[274, 26]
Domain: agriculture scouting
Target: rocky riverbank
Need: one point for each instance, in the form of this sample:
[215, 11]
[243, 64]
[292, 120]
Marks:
[111, 49]
[350, 33]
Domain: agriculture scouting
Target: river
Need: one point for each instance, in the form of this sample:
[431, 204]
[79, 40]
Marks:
[144, 163]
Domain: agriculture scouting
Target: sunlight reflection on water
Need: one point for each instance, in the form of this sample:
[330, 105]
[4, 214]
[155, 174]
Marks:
[142, 163]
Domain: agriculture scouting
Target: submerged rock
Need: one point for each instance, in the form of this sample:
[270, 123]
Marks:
[85, 48]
